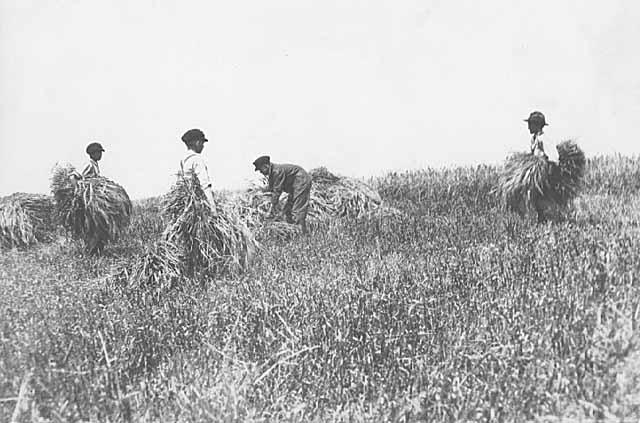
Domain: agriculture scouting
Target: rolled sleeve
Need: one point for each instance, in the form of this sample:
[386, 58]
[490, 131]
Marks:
[203, 173]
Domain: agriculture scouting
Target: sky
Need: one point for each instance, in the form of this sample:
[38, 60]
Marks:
[361, 87]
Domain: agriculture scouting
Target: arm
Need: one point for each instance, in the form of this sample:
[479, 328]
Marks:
[276, 186]
[87, 172]
[201, 171]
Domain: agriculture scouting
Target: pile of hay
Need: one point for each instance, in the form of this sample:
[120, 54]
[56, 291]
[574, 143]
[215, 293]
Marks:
[210, 237]
[530, 181]
[26, 219]
[337, 196]
[331, 196]
[96, 210]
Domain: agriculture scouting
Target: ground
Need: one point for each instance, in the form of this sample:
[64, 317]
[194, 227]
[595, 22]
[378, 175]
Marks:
[453, 310]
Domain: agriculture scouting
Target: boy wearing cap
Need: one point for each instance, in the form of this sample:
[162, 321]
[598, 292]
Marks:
[194, 139]
[536, 122]
[293, 180]
[92, 170]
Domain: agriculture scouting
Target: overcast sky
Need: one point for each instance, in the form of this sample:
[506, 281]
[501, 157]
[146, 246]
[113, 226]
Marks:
[361, 87]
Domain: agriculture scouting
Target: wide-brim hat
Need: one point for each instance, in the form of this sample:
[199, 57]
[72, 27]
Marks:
[537, 117]
[260, 161]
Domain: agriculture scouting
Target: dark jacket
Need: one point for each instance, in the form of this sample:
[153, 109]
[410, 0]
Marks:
[288, 178]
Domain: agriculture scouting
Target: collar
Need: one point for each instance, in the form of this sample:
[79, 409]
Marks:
[537, 135]
[190, 152]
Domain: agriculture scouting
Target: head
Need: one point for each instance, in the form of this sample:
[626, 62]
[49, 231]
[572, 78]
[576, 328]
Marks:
[536, 122]
[263, 165]
[194, 139]
[94, 150]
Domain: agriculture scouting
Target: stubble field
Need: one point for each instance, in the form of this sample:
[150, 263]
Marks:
[453, 310]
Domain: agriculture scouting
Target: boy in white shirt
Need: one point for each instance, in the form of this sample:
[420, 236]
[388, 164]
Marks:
[536, 123]
[194, 139]
[92, 170]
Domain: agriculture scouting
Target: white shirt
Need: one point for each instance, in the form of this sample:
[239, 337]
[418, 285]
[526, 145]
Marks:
[542, 146]
[91, 170]
[193, 161]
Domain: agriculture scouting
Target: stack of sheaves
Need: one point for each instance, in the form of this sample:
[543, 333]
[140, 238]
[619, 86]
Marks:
[26, 219]
[96, 210]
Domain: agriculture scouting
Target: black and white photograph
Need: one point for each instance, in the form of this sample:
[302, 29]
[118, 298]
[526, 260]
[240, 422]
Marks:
[319, 211]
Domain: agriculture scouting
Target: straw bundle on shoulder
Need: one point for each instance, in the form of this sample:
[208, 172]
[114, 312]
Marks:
[211, 236]
[26, 219]
[571, 164]
[96, 210]
[529, 181]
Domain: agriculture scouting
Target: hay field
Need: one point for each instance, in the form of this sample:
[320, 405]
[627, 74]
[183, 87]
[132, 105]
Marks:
[453, 310]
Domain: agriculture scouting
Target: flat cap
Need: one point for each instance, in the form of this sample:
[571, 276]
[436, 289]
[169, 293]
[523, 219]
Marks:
[537, 117]
[260, 161]
[94, 146]
[193, 135]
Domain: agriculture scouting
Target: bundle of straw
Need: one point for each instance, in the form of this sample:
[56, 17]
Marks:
[96, 210]
[571, 163]
[337, 196]
[211, 237]
[529, 181]
[25, 219]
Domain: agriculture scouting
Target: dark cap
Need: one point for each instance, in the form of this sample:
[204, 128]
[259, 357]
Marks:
[93, 147]
[193, 135]
[537, 117]
[260, 161]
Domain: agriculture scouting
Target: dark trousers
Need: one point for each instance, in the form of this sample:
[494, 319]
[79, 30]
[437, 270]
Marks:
[297, 205]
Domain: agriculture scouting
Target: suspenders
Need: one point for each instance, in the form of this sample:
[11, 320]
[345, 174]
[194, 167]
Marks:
[183, 161]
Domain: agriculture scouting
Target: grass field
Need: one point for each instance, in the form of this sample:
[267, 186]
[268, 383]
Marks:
[453, 310]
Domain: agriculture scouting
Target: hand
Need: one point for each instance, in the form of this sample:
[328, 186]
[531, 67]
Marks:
[212, 208]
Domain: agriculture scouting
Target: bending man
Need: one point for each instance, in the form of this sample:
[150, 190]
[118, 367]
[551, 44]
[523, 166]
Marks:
[291, 179]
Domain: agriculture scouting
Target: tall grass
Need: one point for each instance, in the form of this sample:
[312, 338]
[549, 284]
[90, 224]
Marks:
[451, 311]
